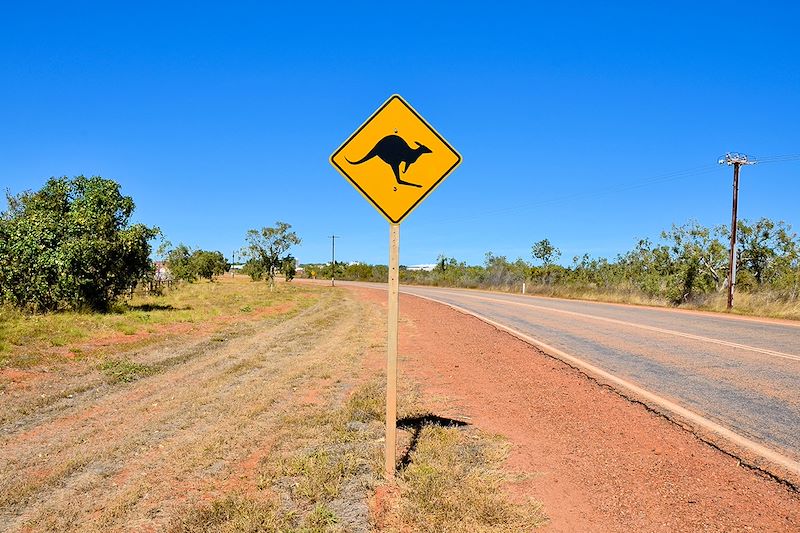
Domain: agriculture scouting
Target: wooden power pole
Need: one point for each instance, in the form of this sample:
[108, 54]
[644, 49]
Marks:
[736, 161]
[333, 259]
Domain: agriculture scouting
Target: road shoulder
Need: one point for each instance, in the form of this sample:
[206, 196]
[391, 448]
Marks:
[597, 461]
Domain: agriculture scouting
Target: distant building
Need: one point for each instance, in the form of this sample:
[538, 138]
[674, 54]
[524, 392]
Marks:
[426, 268]
[162, 273]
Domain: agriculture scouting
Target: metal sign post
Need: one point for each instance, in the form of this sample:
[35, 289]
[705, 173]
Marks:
[395, 160]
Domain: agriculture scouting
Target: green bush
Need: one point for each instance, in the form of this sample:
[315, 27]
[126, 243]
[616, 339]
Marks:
[71, 246]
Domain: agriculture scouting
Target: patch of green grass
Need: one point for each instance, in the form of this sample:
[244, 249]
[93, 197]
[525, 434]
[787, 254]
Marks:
[320, 474]
[366, 403]
[321, 520]
[454, 482]
[125, 371]
[236, 513]
[29, 340]
[233, 514]
[126, 329]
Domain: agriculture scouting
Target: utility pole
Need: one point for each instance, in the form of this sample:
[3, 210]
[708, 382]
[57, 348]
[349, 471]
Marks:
[233, 262]
[736, 161]
[333, 259]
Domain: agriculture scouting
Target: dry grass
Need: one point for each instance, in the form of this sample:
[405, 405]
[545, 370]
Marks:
[455, 483]
[763, 304]
[261, 429]
[234, 514]
[238, 514]
[179, 425]
[316, 480]
[30, 340]
[759, 304]
[327, 462]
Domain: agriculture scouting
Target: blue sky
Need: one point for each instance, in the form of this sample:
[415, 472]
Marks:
[589, 124]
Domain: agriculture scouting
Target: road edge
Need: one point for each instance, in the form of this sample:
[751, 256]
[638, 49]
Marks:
[768, 462]
[697, 312]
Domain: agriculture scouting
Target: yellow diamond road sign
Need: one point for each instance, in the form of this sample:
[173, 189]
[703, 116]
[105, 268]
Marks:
[395, 159]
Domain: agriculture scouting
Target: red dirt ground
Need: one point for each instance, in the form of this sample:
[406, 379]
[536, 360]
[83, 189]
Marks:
[596, 461]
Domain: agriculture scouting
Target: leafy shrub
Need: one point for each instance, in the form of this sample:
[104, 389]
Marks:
[70, 245]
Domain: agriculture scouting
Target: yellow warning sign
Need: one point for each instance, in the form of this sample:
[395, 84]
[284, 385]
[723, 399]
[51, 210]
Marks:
[395, 159]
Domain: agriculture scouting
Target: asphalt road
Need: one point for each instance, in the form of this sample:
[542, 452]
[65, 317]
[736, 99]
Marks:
[743, 374]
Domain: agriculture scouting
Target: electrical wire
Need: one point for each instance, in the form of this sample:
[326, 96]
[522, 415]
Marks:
[662, 178]
[778, 158]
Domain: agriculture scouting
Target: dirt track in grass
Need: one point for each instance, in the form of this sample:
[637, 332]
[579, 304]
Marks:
[101, 456]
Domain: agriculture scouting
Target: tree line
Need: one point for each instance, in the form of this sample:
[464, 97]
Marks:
[72, 245]
[686, 263]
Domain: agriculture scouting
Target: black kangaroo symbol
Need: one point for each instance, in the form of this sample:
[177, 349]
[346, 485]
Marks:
[393, 150]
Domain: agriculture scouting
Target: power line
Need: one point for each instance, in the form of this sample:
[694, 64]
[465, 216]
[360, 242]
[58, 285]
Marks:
[779, 158]
[663, 178]
[655, 180]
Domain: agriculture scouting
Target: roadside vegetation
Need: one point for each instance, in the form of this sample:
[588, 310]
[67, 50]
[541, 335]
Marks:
[455, 482]
[75, 273]
[71, 245]
[268, 254]
[686, 267]
[186, 264]
[28, 340]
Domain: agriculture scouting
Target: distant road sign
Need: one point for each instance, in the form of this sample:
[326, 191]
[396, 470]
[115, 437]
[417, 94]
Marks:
[395, 159]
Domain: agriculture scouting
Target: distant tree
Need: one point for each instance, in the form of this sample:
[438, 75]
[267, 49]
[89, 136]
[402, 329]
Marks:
[337, 269]
[545, 252]
[441, 263]
[766, 248]
[254, 269]
[289, 267]
[207, 264]
[179, 263]
[268, 247]
[187, 264]
[71, 245]
[500, 272]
